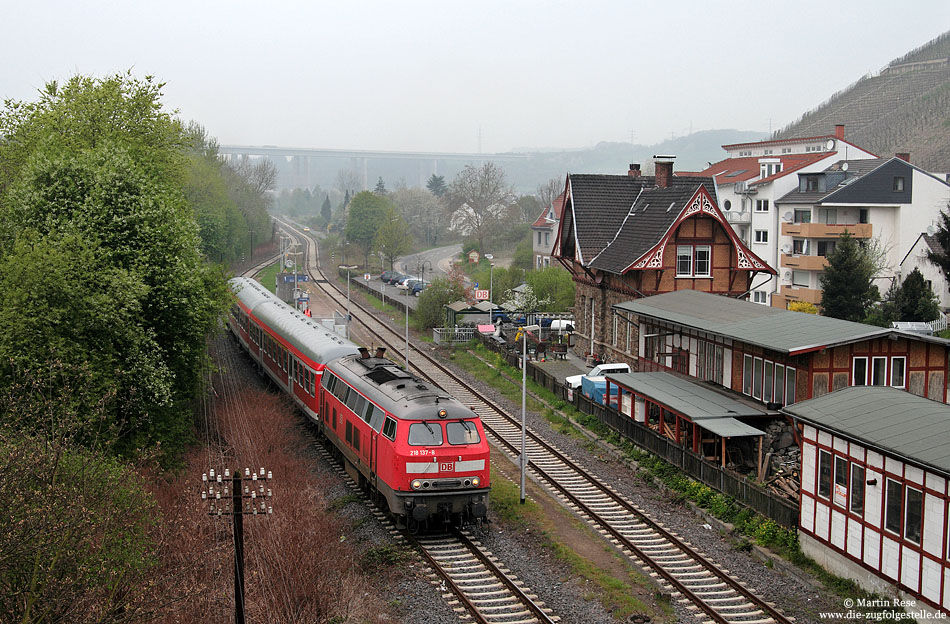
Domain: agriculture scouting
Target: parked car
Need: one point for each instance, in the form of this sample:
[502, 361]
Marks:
[405, 279]
[574, 381]
[395, 278]
[386, 276]
[560, 325]
[500, 315]
[415, 286]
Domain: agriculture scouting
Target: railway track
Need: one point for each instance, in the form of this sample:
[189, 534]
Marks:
[685, 573]
[471, 579]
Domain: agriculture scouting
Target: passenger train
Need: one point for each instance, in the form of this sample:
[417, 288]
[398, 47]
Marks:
[406, 440]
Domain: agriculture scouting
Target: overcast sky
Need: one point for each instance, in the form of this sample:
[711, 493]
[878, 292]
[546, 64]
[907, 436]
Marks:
[434, 76]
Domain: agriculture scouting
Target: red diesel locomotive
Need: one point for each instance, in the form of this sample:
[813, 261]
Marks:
[406, 440]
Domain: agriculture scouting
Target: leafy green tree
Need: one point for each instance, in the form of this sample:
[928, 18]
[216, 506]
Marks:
[380, 187]
[393, 239]
[366, 215]
[553, 284]
[432, 301]
[848, 291]
[941, 258]
[524, 254]
[436, 185]
[912, 300]
[423, 210]
[326, 210]
[140, 226]
[85, 113]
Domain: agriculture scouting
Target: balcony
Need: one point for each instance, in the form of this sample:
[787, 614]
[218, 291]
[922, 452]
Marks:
[737, 216]
[825, 230]
[804, 263]
[794, 293]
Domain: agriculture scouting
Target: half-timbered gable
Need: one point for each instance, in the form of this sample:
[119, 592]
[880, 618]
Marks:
[623, 237]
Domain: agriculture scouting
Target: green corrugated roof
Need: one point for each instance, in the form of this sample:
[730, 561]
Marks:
[772, 328]
[701, 405]
[888, 418]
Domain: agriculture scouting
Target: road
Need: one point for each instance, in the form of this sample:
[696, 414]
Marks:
[438, 261]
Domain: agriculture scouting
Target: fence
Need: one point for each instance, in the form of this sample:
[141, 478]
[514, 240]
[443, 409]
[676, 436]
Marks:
[779, 509]
[938, 325]
[452, 335]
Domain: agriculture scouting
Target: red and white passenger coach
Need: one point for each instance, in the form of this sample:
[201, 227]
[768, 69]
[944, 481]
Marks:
[406, 440]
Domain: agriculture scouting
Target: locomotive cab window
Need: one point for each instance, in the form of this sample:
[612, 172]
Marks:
[425, 434]
[462, 432]
[389, 429]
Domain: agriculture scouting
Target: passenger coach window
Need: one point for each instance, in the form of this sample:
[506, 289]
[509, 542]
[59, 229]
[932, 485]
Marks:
[463, 432]
[425, 434]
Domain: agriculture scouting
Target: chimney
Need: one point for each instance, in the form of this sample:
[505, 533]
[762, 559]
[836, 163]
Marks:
[839, 131]
[364, 353]
[905, 156]
[663, 166]
[634, 171]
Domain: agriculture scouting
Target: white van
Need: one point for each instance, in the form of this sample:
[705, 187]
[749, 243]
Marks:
[562, 325]
[574, 381]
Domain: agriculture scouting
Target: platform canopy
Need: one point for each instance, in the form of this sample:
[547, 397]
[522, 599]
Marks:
[709, 409]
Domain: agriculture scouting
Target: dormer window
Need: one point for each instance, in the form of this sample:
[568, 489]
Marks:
[811, 184]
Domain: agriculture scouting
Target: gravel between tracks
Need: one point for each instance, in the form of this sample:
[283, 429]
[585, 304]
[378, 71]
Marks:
[793, 591]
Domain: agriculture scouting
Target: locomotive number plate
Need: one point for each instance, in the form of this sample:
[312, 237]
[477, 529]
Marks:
[447, 467]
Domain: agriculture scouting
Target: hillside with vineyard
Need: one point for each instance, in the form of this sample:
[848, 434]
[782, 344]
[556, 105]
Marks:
[905, 107]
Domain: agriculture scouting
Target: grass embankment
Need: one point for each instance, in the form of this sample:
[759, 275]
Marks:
[268, 277]
[751, 527]
[616, 593]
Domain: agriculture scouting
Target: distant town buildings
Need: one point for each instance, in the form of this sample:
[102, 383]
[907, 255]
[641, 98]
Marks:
[544, 230]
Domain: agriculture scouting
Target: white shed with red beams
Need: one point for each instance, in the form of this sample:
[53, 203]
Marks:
[874, 490]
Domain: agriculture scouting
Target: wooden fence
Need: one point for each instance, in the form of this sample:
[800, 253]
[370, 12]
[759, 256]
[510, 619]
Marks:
[779, 509]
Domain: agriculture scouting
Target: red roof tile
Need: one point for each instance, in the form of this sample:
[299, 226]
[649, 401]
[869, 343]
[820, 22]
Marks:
[558, 205]
[747, 168]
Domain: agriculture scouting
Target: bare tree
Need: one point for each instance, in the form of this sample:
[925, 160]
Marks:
[260, 174]
[549, 191]
[349, 180]
[479, 199]
[423, 211]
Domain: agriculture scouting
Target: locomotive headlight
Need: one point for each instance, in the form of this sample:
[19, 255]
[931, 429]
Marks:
[443, 413]
[475, 481]
[416, 484]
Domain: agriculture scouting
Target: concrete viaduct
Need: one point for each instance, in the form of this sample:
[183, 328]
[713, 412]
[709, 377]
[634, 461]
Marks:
[300, 159]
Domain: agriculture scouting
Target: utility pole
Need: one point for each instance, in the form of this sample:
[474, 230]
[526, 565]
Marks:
[241, 501]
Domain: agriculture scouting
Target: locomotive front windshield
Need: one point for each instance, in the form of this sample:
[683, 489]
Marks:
[462, 432]
[429, 433]
[425, 434]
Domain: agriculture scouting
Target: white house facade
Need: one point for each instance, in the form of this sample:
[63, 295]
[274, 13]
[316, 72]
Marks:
[755, 175]
[888, 200]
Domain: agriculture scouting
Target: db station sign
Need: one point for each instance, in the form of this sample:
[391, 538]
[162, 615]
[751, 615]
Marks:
[481, 295]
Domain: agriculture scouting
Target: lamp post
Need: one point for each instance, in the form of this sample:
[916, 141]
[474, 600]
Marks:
[524, 399]
[491, 283]
[348, 267]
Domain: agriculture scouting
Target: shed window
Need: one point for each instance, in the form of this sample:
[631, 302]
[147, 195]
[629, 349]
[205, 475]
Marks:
[879, 371]
[841, 480]
[860, 376]
[857, 489]
[790, 378]
[892, 507]
[898, 365]
[757, 379]
[824, 474]
[747, 374]
[913, 514]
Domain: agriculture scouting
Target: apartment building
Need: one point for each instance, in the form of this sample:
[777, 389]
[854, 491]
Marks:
[885, 200]
[755, 175]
